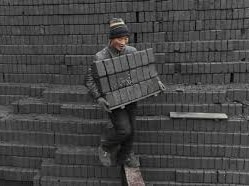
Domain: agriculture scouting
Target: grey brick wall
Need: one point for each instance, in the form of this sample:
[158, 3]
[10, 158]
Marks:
[69, 33]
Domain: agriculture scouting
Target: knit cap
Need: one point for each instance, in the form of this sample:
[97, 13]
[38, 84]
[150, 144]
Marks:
[118, 28]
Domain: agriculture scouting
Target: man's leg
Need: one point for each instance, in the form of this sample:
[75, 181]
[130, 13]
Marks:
[127, 144]
[120, 133]
[126, 155]
[106, 155]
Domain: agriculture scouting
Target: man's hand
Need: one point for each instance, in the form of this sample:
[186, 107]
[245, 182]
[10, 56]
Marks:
[104, 104]
[162, 86]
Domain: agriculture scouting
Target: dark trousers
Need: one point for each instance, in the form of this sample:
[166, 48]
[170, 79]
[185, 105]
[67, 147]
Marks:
[122, 132]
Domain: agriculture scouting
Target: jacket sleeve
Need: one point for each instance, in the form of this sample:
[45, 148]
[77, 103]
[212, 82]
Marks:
[91, 82]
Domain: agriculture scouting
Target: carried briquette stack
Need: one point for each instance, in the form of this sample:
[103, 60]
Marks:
[128, 78]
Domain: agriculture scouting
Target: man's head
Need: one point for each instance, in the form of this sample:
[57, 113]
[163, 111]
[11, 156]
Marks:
[119, 34]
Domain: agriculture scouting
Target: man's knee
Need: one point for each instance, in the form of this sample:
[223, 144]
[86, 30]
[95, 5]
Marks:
[125, 132]
[123, 124]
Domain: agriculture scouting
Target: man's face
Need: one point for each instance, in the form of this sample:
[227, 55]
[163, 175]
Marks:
[119, 43]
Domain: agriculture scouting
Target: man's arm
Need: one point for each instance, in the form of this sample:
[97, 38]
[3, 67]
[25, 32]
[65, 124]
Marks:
[91, 84]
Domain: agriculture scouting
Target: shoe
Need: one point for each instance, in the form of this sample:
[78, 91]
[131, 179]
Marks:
[104, 157]
[130, 160]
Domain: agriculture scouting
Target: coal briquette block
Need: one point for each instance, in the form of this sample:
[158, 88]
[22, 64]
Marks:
[140, 75]
[155, 86]
[116, 97]
[137, 91]
[144, 87]
[150, 86]
[150, 55]
[100, 68]
[133, 74]
[117, 64]
[146, 72]
[124, 95]
[131, 94]
[131, 61]
[124, 62]
[109, 66]
[144, 57]
[113, 82]
[104, 84]
[138, 59]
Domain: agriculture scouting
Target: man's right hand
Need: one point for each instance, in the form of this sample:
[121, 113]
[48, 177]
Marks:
[104, 104]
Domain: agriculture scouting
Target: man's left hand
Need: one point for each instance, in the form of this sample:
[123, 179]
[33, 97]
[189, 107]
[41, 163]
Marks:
[162, 86]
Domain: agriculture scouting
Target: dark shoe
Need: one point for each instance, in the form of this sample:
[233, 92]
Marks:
[130, 160]
[104, 157]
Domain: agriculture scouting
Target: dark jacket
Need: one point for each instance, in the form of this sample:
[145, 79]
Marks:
[91, 79]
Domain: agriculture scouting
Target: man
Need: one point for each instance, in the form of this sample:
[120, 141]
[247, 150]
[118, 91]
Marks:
[123, 120]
